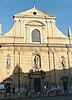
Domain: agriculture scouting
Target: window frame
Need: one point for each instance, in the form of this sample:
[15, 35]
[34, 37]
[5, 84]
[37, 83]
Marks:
[40, 35]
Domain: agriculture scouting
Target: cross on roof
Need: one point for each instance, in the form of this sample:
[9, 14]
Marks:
[34, 3]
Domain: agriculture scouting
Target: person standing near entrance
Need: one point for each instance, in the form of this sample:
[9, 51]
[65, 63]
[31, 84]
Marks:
[45, 88]
[13, 89]
[7, 91]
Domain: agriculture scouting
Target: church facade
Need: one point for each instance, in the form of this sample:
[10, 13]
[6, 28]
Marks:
[35, 53]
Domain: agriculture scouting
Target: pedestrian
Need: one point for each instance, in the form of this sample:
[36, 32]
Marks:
[29, 94]
[45, 88]
[13, 89]
[39, 93]
[7, 91]
[26, 94]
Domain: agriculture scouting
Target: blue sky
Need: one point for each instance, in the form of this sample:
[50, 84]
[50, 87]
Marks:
[62, 9]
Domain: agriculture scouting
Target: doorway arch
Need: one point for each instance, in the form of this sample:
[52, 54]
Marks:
[65, 80]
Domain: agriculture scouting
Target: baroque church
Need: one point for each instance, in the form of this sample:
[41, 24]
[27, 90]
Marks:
[35, 53]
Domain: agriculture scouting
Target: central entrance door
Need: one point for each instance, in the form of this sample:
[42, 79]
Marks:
[37, 84]
[65, 85]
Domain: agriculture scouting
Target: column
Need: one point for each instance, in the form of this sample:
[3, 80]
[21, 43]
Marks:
[54, 68]
[14, 64]
[49, 66]
[68, 62]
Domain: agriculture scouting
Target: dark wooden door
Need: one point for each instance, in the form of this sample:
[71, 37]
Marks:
[37, 84]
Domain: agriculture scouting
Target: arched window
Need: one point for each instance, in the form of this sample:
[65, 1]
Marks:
[36, 37]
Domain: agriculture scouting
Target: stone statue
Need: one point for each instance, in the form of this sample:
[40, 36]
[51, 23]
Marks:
[36, 61]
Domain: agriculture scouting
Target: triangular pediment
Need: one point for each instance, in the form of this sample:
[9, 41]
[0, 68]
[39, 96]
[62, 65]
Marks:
[34, 12]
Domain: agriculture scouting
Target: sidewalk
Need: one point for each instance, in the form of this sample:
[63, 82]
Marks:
[22, 95]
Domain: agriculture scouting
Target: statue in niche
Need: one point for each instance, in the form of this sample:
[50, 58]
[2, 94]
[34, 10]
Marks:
[8, 62]
[36, 61]
[63, 62]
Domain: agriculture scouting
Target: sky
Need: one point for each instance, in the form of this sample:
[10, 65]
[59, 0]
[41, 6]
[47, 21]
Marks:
[61, 9]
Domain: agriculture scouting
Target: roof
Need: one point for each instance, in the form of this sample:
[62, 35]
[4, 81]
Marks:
[33, 12]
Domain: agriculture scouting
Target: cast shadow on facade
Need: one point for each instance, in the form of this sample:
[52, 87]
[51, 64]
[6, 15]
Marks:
[61, 78]
[14, 80]
[35, 80]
